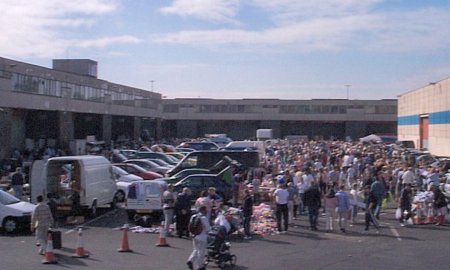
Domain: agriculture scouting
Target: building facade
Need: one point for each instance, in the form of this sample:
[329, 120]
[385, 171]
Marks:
[57, 106]
[240, 118]
[424, 117]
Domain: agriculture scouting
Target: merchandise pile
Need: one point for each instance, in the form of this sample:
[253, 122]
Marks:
[263, 222]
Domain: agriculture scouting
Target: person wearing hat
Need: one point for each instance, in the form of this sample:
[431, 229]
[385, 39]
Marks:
[17, 182]
[169, 197]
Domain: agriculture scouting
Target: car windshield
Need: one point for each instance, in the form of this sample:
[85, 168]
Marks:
[160, 162]
[6, 198]
[119, 170]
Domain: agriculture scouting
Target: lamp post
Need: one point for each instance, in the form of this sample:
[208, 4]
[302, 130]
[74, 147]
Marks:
[348, 88]
[151, 82]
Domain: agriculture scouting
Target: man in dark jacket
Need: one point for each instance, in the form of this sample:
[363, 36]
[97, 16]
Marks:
[313, 202]
[440, 204]
[247, 211]
[183, 212]
[371, 202]
[405, 203]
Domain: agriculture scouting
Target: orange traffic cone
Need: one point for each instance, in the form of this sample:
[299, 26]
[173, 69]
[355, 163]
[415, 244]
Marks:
[79, 251]
[49, 255]
[417, 220]
[440, 220]
[125, 247]
[162, 238]
[430, 219]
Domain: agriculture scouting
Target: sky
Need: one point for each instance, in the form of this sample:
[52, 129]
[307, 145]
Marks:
[235, 49]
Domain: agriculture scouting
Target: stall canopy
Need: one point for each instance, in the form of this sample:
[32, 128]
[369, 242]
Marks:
[370, 138]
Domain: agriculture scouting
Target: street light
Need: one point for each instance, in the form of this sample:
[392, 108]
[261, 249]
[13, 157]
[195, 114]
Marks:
[151, 82]
[348, 87]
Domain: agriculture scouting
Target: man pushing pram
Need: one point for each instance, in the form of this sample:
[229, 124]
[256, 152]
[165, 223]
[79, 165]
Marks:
[218, 249]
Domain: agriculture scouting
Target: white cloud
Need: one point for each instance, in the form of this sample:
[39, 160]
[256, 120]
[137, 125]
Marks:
[104, 42]
[41, 28]
[329, 25]
[211, 10]
[314, 34]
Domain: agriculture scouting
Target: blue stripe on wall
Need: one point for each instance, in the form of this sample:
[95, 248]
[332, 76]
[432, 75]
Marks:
[439, 118]
[435, 118]
[408, 120]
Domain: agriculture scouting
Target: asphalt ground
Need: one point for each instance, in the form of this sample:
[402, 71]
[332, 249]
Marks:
[394, 247]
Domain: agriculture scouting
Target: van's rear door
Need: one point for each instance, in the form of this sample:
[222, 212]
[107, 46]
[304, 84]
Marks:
[38, 181]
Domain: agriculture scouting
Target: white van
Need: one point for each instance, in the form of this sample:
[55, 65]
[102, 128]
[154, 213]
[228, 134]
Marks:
[14, 213]
[145, 198]
[79, 183]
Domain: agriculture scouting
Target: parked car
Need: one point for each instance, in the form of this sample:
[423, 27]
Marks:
[138, 170]
[14, 213]
[154, 155]
[177, 155]
[180, 175]
[200, 182]
[149, 165]
[161, 162]
[123, 180]
[128, 152]
[184, 150]
[200, 146]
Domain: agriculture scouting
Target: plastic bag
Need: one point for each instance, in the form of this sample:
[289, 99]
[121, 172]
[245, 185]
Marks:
[398, 213]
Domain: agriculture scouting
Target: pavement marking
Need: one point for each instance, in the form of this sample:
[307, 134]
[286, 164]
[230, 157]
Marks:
[90, 221]
[394, 231]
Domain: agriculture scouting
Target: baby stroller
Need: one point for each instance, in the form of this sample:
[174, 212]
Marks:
[218, 249]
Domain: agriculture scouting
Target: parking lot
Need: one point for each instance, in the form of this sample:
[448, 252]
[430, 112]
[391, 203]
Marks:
[413, 247]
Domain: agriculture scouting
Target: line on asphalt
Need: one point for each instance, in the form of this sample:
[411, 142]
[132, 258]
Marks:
[91, 221]
[394, 231]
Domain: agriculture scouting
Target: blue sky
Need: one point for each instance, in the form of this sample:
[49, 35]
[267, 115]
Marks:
[286, 49]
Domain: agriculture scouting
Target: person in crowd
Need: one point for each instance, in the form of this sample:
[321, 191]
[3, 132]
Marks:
[216, 200]
[301, 186]
[356, 197]
[281, 199]
[343, 207]
[53, 205]
[293, 194]
[168, 199]
[313, 202]
[440, 204]
[330, 204]
[204, 200]
[379, 190]
[17, 182]
[247, 211]
[183, 212]
[256, 182]
[408, 177]
[370, 201]
[236, 185]
[41, 220]
[404, 204]
[197, 258]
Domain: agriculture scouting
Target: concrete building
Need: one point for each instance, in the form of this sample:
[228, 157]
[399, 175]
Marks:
[424, 117]
[317, 118]
[69, 102]
[57, 106]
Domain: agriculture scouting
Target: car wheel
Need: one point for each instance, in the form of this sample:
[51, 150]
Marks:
[10, 225]
[120, 196]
